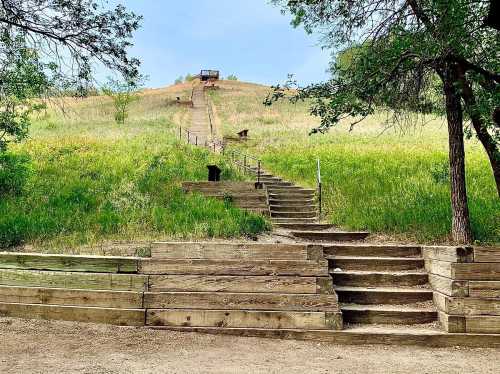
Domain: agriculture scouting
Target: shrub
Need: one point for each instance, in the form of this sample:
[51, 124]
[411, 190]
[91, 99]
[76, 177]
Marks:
[14, 172]
[232, 77]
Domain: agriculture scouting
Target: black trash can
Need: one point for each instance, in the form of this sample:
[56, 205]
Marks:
[213, 173]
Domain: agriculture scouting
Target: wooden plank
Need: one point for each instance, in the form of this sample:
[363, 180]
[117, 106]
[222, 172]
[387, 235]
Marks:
[368, 250]
[59, 296]
[93, 264]
[487, 254]
[451, 324]
[359, 336]
[442, 268]
[477, 271]
[224, 186]
[120, 317]
[236, 318]
[483, 324]
[484, 289]
[233, 267]
[450, 254]
[87, 281]
[467, 306]
[449, 286]
[231, 301]
[228, 251]
[221, 283]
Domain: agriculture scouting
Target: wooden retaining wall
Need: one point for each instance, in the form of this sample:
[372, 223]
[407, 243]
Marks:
[242, 194]
[466, 284]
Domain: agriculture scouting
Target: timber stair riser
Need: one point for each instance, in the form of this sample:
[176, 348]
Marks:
[383, 279]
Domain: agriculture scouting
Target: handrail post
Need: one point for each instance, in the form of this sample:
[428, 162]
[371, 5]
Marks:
[245, 162]
[258, 172]
[188, 136]
[196, 140]
[320, 192]
[180, 133]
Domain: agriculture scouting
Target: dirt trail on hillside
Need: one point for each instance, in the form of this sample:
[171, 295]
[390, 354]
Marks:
[61, 347]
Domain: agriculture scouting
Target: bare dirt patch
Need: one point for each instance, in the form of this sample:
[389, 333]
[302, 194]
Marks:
[61, 347]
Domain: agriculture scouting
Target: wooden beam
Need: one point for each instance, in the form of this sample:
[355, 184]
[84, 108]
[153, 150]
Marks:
[120, 317]
[60, 296]
[449, 254]
[93, 264]
[232, 301]
[449, 286]
[484, 289]
[61, 279]
[487, 254]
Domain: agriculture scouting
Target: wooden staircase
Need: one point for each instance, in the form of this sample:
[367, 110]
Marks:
[381, 284]
[295, 209]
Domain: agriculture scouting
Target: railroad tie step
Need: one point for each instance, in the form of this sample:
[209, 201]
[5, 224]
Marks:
[383, 295]
[388, 314]
[358, 278]
[331, 235]
[372, 250]
[375, 263]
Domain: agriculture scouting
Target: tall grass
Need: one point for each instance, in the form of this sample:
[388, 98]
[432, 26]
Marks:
[391, 181]
[93, 180]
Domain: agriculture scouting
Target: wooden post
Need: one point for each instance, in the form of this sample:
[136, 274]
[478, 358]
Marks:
[180, 132]
[196, 140]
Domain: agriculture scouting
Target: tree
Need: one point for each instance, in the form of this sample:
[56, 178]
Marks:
[189, 78]
[123, 93]
[47, 45]
[411, 50]
[179, 80]
[232, 77]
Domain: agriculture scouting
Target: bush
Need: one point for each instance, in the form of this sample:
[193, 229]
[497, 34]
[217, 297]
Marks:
[14, 172]
[232, 77]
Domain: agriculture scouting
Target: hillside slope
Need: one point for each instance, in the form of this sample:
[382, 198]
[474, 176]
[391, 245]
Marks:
[390, 180]
[92, 180]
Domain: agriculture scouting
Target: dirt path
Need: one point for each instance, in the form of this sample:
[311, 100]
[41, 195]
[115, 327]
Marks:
[60, 347]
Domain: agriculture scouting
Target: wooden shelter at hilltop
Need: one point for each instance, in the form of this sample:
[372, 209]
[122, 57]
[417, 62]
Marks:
[209, 75]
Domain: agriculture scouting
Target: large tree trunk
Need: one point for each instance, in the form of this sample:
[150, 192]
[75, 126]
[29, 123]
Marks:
[481, 131]
[461, 228]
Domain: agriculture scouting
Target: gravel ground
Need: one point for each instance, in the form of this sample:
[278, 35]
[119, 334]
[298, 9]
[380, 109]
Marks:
[61, 347]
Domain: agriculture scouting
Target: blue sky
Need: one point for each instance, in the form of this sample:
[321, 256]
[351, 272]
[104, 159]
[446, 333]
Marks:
[248, 38]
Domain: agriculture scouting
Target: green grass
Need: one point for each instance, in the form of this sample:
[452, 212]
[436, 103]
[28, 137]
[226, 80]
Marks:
[393, 182]
[93, 180]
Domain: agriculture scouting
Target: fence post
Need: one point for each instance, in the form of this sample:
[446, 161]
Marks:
[180, 133]
[258, 172]
[245, 162]
[188, 136]
[196, 140]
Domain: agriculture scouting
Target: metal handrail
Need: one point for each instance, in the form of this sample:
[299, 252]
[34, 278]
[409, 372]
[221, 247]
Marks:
[320, 189]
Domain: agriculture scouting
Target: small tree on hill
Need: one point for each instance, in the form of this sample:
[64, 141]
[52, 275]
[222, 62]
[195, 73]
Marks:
[411, 56]
[179, 80]
[232, 77]
[189, 78]
[123, 93]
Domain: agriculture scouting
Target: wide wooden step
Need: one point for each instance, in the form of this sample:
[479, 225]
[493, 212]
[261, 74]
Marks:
[290, 191]
[294, 220]
[304, 214]
[387, 314]
[227, 251]
[111, 316]
[278, 184]
[71, 297]
[246, 301]
[375, 263]
[334, 236]
[382, 279]
[305, 226]
[233, 267]
[293, 208]
[290, 195]
[383, 295]
[292, 202]
[269, 319]
[359, 335]
[371, 250]
[240, 283]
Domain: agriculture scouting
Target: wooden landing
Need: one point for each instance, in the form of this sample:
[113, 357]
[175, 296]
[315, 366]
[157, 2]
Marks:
[360, 336]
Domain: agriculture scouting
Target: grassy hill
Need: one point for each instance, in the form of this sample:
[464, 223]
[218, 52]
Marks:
[391, 181]
[92, 180]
